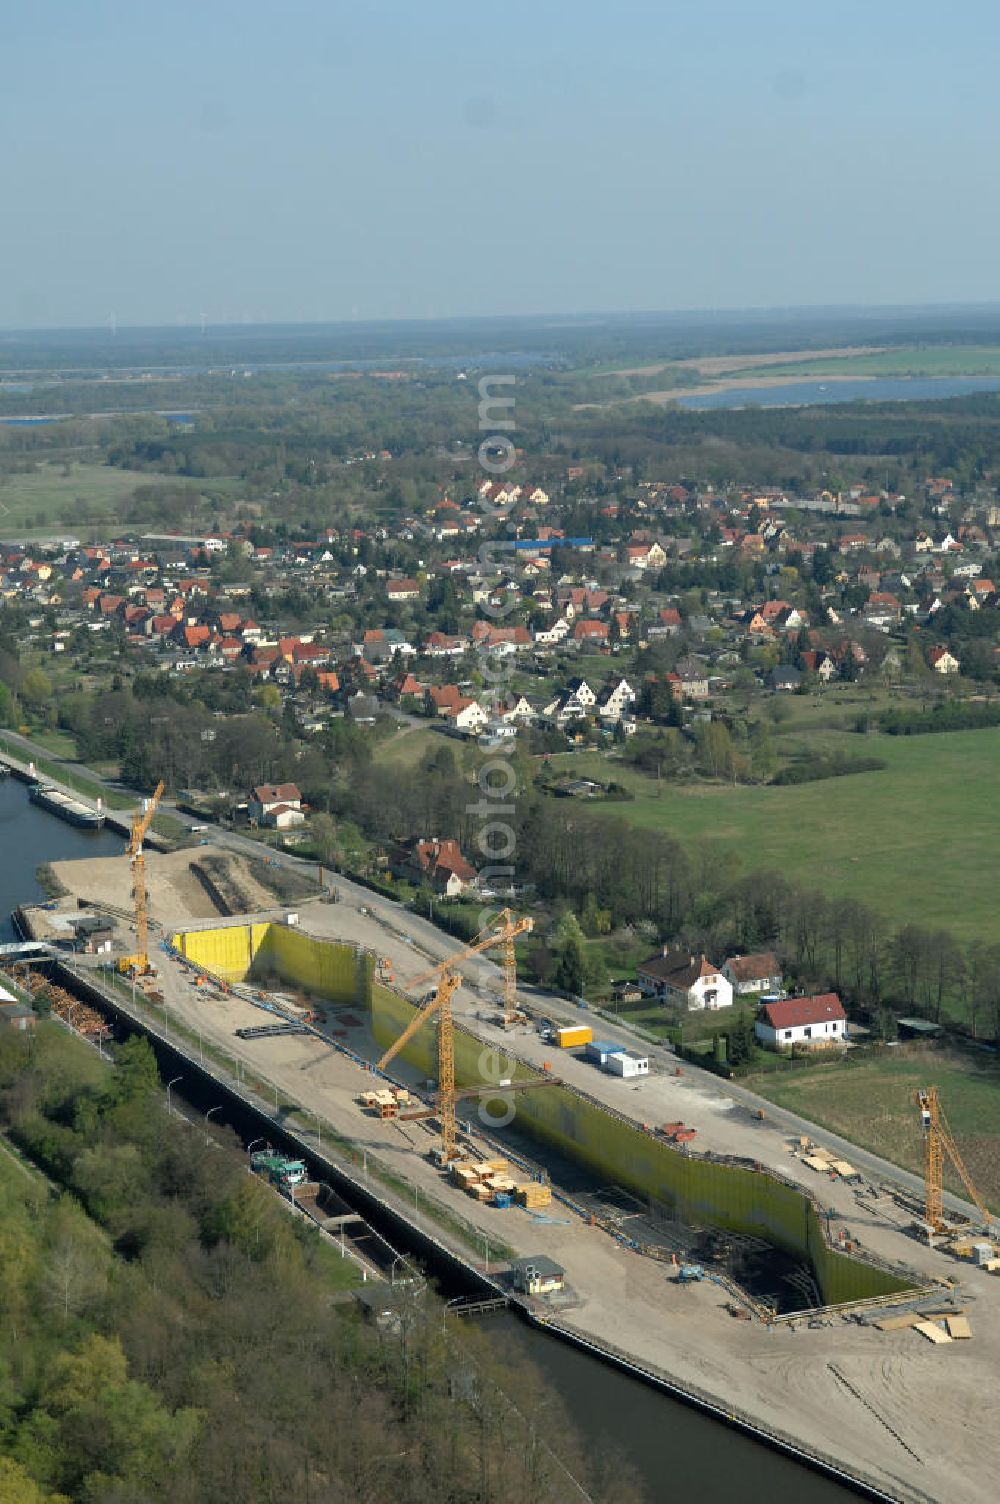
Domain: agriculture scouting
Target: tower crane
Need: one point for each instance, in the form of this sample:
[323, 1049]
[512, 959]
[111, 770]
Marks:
[141, 821]
[938, 1142]
[501, 933]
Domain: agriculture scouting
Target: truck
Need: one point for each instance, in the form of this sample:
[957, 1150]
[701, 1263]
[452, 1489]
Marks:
[571, 1035]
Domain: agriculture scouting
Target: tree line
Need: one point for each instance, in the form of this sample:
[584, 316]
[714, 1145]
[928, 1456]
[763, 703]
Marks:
[171, 1334]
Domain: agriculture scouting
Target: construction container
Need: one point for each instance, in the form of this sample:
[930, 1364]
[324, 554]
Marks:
[625, 1063]
[598, 1050]
[502, 1200]
[572, 1035]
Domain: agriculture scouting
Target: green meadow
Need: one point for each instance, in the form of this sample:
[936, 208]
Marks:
[919, 839]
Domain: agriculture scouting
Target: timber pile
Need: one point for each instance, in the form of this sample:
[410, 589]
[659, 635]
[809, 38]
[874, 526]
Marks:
[64, 1005]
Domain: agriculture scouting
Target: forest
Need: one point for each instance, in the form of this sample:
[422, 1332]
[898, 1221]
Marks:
[171, 1334]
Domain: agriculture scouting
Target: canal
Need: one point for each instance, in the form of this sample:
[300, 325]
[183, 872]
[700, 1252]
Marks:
[675, 1451]
[30, 837]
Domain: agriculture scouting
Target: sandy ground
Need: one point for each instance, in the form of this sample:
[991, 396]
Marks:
[780, 1375]
[175, 894]
[718, 365]
[723, 375]
[941, 1444]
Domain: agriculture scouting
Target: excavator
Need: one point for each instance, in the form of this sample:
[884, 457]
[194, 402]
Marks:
[138, 965]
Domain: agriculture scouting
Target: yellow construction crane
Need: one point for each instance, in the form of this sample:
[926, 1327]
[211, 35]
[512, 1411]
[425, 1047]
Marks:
[501, 933]
[439, 1004]
[938, 1142]
[138, 964]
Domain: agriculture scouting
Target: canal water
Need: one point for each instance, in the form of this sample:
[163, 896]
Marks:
[30, 837]
[674, 1451]
[818, 393]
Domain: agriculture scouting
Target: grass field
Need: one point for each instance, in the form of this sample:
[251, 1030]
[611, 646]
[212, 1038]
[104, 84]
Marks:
[918, 840]
[38, 500]
[76, 497]
[872, 1105]
[934, 360]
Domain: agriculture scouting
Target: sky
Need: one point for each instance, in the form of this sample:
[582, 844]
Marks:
[306, 160]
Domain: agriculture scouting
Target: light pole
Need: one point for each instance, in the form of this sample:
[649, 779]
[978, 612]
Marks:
[208, 1114]
[253, 1143]
[171, 1083]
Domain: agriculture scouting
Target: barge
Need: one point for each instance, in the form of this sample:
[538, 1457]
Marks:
[64, 805]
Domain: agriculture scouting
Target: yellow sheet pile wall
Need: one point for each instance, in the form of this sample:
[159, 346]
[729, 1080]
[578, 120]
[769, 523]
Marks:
[619, 1152]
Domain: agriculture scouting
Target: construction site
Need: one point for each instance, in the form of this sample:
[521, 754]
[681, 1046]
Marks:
[742, 1254]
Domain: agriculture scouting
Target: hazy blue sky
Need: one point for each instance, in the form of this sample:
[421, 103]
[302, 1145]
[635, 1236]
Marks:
[309, 159]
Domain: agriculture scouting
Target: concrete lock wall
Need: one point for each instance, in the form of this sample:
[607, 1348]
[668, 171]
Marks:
[236, 952]
[228, 953]
[701, 1191]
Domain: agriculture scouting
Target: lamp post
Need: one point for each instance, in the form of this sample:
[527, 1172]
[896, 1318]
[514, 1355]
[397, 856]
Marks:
[217, 1108]
[171, 1083]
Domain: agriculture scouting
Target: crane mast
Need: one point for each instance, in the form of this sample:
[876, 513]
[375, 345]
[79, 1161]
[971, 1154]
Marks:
[500, 934]
[141, 821]
[938, 1142]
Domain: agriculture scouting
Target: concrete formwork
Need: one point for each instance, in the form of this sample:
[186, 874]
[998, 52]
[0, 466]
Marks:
[700, 1190]
[234, 952]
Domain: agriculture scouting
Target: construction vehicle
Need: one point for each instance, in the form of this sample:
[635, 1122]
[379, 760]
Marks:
[138, 964]
[938, 1142]
[690, 1274]
[500, 935]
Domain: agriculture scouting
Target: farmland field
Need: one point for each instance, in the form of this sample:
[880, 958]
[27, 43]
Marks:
[933, 360]
[872, 1105]
[917, 840]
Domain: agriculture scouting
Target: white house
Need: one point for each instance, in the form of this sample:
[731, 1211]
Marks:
[681, 980]
[614, 700]
[753, 974]
[471, 718]
[276, 804]
[813, 1022]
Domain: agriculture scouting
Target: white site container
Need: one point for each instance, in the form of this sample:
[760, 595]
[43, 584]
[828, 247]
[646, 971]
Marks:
[624, 1063]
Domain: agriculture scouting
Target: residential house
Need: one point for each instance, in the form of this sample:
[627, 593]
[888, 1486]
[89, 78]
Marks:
[278, 805]
[815, 661]
[753, 974]
[807, 1022]
[439, 863]
[943, 662]
[614, 700]
[403, 590]
[681, 980]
